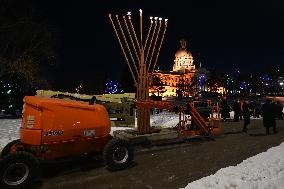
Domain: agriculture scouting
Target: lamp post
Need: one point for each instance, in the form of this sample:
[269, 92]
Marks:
[141, 66]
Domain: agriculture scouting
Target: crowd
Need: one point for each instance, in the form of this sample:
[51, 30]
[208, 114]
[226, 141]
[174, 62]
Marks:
[244, 109]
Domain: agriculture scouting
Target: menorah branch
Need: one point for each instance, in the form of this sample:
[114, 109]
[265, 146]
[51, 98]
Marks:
[131, 39]
[122, 49]
[126, 43]
[155, 44]
[150, 44]
[161, 42]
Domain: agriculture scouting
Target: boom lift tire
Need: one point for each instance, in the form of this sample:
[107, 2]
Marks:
[18, 169]
[7, 148]
[118, 154]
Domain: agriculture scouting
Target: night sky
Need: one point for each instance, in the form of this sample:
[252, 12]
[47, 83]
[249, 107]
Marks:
[223, 35]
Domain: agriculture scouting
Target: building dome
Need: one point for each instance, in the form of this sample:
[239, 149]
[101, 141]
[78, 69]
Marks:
[183, 53]
[183, 59]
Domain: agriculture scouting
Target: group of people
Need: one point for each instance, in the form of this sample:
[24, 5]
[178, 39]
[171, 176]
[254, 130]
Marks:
[243, 109]
[253, 107]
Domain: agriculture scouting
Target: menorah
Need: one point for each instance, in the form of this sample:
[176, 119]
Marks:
[139, 56]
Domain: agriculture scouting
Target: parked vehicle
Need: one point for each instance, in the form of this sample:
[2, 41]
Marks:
[57, 128]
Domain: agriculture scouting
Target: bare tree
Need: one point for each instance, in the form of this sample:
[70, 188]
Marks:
[186, 86]
[214, 82]
[157, 85]
[26, 40]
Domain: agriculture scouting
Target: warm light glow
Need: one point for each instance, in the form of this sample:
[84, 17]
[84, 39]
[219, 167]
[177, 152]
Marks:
[160, 19]
[220, 90]
[183, 60]
[166, 20]
[151, 17]
[156, 18]
[129, 13]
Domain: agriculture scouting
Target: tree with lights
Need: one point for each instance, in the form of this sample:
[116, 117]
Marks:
[11, 96]
[112, 87]
[231, 84]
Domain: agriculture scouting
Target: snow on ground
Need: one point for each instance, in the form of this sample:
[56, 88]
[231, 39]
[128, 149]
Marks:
[262, 171]
[117, 128]
[9, 130]
[164, 119]
[170, 119]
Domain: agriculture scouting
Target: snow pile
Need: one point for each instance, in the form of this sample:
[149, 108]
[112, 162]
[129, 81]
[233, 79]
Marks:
[164, 119]
[263, 171]
[9, 130]
[117, 128]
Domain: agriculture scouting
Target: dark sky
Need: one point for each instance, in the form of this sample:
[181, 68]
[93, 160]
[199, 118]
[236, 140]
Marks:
[223, 35]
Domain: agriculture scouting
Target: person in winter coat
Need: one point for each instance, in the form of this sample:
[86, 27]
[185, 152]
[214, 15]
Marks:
[237, 110]
[225, 109]
[268, 114]
[279, 110]
[246, 115]
[257, 109]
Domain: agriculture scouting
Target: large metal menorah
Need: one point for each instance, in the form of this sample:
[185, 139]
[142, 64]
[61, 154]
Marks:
[139, 56]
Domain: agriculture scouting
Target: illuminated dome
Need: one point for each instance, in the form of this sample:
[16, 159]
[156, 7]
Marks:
[183, 52]
[183, 59]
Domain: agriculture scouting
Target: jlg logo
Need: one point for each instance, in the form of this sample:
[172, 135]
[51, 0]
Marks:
[53, 133]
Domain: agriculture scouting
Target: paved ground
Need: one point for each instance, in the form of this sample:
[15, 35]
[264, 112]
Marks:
[171, 166]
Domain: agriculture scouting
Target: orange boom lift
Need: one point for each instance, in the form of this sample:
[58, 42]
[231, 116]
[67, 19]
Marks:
[58, 128]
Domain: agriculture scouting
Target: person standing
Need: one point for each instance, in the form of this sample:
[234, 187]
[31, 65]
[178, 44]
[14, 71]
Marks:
[279, 110]
[257, 109]
[246, 115]
[225, 109]
[237, 110]
[268, 114]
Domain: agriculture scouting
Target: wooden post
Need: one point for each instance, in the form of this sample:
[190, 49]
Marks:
[143, 119]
